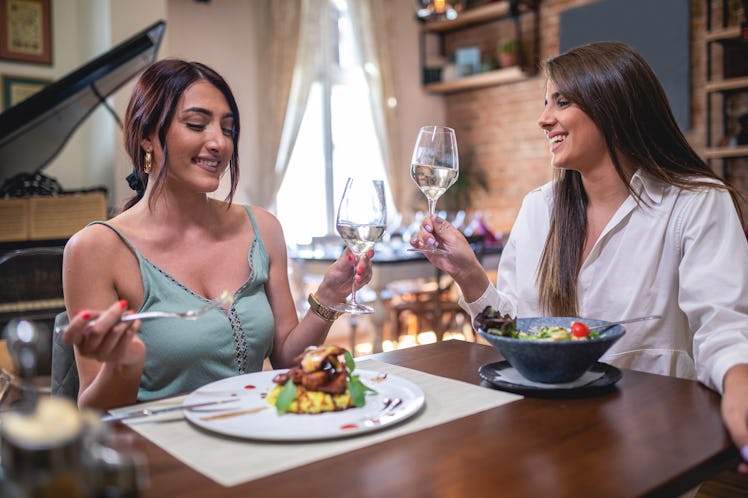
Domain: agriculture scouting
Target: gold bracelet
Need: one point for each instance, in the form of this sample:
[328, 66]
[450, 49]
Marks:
[321, 310]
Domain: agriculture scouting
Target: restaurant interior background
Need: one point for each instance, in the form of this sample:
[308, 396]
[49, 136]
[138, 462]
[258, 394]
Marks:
[497, 130]
[496, 123]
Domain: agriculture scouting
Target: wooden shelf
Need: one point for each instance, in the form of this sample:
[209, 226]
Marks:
[726, 152]
[481, 80]
[728, 39]
[476, 15]
[499, 11]
[727, 85]
[725, 34]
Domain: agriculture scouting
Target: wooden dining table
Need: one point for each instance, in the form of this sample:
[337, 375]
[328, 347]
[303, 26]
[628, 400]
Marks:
[649, 435]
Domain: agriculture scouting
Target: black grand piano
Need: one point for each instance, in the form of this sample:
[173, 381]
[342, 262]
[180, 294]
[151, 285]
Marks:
[32, 133]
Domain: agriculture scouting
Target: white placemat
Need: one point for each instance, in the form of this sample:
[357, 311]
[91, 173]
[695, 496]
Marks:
[231, 461]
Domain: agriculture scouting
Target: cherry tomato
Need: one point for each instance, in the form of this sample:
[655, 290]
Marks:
[579, 330]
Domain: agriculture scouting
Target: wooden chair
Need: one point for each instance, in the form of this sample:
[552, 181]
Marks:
[431, 305]
[65, 381]
[32, 290]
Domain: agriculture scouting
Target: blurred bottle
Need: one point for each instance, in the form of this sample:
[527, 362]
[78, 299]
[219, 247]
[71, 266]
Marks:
[58, 451]
[459, 221]
[113, 468]
[42, 449]
[478, 227]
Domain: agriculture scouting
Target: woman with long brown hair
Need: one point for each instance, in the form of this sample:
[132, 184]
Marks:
[634, 223]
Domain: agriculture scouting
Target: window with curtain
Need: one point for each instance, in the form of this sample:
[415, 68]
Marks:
[336, 139]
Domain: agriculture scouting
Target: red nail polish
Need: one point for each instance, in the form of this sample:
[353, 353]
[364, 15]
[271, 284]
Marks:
[122, 303]
[85, 315]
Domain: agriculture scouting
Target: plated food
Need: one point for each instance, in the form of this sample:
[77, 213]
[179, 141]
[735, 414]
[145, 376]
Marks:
[491, 321]
[321, 381]
[546, 360]
[252, 417]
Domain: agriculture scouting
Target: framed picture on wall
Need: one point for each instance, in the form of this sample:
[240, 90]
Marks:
[18, 88]
[25, 31]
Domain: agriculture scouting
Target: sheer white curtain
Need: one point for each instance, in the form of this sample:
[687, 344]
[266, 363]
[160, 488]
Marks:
[289, 61]
[372, 23]
[293, 31]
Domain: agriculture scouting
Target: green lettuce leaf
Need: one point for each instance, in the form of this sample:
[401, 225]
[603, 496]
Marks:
[357, 388]
[285, 396]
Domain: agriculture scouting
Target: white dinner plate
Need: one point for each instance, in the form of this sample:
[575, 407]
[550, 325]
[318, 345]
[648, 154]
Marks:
[254, 418]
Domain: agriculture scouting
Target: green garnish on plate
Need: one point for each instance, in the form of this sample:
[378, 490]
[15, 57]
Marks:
[357, 388]
[286, 396]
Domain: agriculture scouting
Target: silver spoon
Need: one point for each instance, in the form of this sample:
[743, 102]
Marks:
[608, 325]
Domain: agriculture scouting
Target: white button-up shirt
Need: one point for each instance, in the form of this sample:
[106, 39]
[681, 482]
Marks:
[677, 253]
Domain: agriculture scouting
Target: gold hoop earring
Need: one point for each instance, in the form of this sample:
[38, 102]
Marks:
[148, 163]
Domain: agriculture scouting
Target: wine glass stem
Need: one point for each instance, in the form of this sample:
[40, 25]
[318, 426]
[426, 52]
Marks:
[353, 286]
[432, 206]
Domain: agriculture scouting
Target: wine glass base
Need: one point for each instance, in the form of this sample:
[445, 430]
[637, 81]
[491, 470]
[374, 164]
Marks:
[428, 250]
[352, 308]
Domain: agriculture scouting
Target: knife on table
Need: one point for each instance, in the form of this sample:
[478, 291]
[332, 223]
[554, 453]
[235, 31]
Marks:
[145, 412]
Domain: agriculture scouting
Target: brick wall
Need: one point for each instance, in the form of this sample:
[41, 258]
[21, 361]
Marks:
[499, 124]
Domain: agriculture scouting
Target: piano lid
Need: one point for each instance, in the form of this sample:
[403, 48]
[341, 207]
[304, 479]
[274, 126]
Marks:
[34, 131]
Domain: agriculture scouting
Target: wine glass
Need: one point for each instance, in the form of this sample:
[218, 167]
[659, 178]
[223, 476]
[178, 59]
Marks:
[362, 216]
[434, 166]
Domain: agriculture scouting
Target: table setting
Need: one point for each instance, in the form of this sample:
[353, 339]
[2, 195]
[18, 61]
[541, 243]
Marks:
[648, 435]
[282, 442]
[431, 415]
[551, 356]
[445, 430]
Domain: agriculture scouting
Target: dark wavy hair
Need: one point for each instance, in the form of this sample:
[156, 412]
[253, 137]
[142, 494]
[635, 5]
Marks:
[618, 90]
[151, 109]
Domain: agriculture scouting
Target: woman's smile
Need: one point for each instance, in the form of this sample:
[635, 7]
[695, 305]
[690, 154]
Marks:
[209, 165]
[556, 139]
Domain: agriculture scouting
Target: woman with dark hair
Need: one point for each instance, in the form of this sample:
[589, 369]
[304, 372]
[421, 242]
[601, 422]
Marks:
[176, 248]
[634, 223]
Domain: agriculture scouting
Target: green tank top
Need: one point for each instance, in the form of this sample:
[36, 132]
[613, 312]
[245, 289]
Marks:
[183, 355]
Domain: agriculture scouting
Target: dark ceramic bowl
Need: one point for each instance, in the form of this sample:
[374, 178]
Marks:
[553, 362]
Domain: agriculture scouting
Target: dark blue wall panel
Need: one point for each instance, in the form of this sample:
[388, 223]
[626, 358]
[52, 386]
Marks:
[657, 29]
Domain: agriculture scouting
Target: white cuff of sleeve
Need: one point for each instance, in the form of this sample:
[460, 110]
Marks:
[490, 297]
[736, 356]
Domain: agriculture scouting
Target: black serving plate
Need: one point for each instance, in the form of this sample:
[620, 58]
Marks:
[490, 374]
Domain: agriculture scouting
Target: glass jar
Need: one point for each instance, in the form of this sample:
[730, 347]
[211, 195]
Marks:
[41, 450]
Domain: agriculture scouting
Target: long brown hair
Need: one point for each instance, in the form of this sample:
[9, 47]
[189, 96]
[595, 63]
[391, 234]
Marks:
[617, 89]
[152, 107]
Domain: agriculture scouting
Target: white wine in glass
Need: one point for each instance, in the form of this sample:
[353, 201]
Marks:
[434, 166]
[362, 217]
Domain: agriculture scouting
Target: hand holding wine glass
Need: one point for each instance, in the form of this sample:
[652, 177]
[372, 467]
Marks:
[361, 220]
[434, 166]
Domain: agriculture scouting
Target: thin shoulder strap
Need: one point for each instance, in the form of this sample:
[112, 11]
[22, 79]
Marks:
[258, 236]
[254, 223]
[252, 218]
[121, 236]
